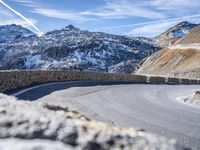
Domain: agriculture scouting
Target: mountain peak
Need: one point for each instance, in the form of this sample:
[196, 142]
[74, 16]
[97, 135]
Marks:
[11, 32]
[184, 23]
[71, 27]
[174, 33]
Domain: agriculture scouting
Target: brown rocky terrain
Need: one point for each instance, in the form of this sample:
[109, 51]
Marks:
[173, 62]
[180, 60]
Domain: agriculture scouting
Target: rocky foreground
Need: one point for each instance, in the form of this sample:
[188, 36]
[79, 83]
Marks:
[195, 99]
[30, 126]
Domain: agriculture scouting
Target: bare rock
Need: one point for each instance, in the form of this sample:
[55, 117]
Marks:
[27, 125]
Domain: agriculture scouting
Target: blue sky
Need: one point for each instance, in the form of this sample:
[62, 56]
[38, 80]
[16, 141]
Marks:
[131, 17]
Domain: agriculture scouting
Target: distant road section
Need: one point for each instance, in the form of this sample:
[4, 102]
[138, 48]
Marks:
[154, 108]
[186, 46]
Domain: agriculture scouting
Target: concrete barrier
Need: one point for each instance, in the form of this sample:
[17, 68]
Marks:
[170, 80]
[185, 81]
[157, 80]
[193, 81]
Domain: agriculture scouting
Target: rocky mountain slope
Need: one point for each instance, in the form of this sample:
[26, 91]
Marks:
[181, 60]
[173, 34]
[192, 37]
[9, 33]
[73, 49]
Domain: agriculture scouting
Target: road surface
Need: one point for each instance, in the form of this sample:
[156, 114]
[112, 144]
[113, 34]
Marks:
[154, 108]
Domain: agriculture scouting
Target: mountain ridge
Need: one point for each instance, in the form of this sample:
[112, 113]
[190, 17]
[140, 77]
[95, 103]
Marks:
[73, 49]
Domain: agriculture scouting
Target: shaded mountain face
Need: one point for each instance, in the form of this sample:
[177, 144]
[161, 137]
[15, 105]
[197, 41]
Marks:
[9, 33]
[74, 49]
[172, 35]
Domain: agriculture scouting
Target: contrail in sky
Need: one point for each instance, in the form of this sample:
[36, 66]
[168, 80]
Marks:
[151, 22]
[23, 17]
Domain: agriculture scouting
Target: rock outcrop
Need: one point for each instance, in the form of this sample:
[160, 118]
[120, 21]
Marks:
[195, 99]
[196, 96]
[31, 125]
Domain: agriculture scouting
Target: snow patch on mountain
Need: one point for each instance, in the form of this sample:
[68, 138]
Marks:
[32, 60]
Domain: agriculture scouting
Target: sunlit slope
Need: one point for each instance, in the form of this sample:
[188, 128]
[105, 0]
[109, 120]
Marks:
[173, 62]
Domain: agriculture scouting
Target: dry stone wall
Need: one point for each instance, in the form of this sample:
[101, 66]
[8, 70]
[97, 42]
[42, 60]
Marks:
[10, 80]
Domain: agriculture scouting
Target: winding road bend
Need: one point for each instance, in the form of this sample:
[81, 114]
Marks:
[154, 108]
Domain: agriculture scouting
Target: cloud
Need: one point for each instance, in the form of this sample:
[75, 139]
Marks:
[151, 30]
[175, 4]
[110, 9]
[11, 16]
[153, 22]
[21, 16]
[60, 14]
[156, 15]
[154, 29]
[123, 9]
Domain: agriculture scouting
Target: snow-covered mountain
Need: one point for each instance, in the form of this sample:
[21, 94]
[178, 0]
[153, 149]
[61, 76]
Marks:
[73, 49]
[9, 33]
[173, 34]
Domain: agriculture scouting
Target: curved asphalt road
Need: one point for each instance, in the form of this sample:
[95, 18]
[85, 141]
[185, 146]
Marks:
[154, 108]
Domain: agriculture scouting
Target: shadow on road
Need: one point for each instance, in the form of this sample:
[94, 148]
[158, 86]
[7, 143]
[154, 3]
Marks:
[37, 92]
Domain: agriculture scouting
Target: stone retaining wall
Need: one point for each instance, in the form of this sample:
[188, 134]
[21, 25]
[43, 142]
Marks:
[17, 79]
[10, 80]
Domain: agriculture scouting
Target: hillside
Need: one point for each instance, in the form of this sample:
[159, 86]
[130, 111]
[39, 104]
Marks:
[173, 34]
[173, 62]
[181, 60]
